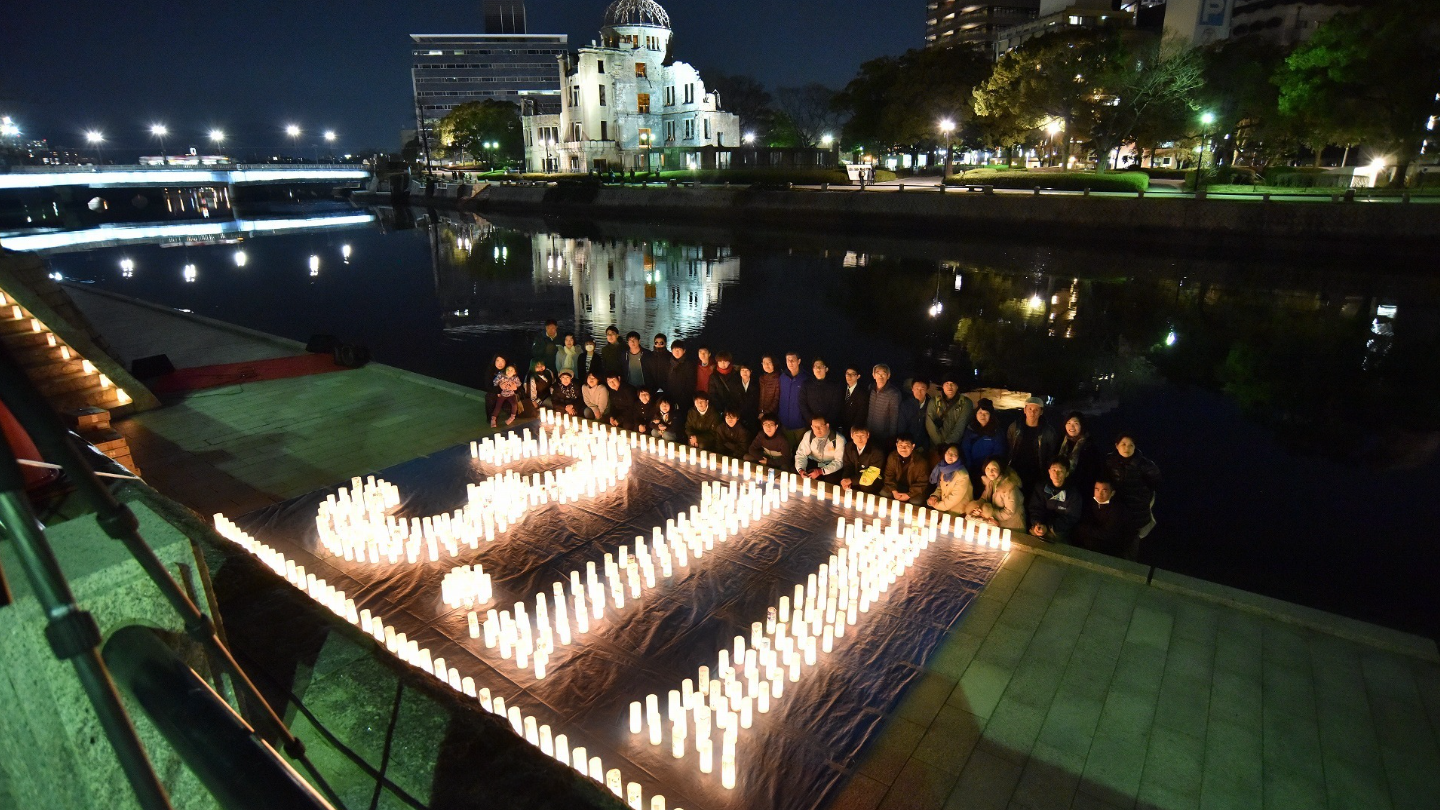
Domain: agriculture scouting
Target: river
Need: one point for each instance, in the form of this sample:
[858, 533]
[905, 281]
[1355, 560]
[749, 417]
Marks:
[1291, 404]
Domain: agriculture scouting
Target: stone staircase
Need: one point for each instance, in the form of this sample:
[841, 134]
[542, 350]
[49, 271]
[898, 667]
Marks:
[70, 382]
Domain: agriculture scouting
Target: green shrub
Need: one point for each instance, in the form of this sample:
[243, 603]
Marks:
[1064, 181]
[885, 175]
[1165, 174]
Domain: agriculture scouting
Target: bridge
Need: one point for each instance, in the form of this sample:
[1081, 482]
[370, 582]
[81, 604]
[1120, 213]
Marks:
[26, 177]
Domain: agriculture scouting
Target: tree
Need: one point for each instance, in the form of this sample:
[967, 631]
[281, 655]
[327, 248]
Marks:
[747, 98]
[1055, 76]
[1151, 89]
[1372, 76]
[472, 124]
[899, 100]
[806, 115]
[1238, 91]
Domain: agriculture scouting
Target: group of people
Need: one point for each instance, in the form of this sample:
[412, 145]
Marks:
[921, 443]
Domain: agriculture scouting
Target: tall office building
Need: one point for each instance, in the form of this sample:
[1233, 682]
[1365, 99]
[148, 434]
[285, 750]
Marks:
[506, 63]
[955, 22]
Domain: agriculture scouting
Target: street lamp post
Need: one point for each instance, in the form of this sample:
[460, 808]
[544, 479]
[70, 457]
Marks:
[95, 137]
[217, 137]
[947, 128]
[160, 131]
[294, 132]
[330, 137]
[1206, 121]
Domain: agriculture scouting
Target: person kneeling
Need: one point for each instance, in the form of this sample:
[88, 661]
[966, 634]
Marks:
[820, 454]
[1055, 506]
[731, 437]
[907, 476]
[770, 448]
[701, 423]
[1001, 502]
[953, 491]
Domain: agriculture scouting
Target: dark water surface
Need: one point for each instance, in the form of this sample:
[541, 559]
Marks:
[1291, 404]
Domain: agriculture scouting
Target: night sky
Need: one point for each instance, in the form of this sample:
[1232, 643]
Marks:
[252, 67]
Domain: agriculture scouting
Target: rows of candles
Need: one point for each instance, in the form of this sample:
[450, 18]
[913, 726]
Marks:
[748, 678]
[724, 509]
[554, 745]
[359, 523]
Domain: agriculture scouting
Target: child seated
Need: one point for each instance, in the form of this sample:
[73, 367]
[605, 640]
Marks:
[508, 386]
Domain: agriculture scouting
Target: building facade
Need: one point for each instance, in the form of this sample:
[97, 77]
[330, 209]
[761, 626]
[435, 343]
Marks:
[626, 104]
[1286, 23]
[959, 22]
[506, 63]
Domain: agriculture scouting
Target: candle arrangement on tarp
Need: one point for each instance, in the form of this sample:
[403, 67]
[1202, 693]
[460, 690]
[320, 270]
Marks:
[747, 678]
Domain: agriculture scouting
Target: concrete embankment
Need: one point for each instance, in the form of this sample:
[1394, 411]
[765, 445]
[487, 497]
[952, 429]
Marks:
[1225, 223]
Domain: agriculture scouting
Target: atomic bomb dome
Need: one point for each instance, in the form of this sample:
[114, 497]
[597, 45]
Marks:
[636, 12]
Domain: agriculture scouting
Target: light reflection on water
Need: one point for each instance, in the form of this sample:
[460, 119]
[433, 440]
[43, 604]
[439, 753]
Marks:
[1291, 405]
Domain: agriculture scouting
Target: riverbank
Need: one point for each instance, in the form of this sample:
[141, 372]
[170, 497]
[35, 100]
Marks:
[1173, 220]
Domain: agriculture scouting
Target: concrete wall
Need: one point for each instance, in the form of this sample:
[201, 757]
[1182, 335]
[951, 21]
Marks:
[1182, 221]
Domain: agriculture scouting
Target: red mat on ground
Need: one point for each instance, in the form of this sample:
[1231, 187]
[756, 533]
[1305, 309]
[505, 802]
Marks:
[200, 377]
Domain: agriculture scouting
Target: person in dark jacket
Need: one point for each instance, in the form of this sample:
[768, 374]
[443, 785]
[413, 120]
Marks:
[492, 377]
[1136, 479]
[648, 409]
[1032, 444]
[864, 466]
[821, 397]
[724, 383]
[1078, 452]
[612, 354]
[907, 473]
[855, 401]
[883, 416]
[663, 424]
[637, 362]
[770, 448]
[565, 396]
[624, 403]
[679, 382]
[701, 423]
[912, 415]
[983, 440]
[769, 386]
[589, 362]
[546, 345]
[731, 437]
[538, 384]
[791, 381]
[1104, 526]
[657, 369]
[747, 394]
[1054, 507]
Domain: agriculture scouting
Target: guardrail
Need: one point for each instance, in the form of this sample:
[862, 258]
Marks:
[90, 168]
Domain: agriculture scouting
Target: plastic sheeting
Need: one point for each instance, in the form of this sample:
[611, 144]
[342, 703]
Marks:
[793, 758]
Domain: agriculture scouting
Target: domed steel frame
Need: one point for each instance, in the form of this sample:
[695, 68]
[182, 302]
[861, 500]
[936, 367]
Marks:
[636, 12]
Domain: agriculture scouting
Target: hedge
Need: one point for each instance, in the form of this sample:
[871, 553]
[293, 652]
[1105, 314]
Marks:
[1165, 174]
[1064, 181]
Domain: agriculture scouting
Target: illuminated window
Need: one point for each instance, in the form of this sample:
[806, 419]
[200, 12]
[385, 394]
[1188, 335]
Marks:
[642, 104]
[640, 70]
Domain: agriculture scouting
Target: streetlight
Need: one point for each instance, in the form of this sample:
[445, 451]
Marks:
[1206, 120]
[827, 140]
[160, 131]
[293, 130]
[947, 126]
[749, 139]
[217, 137]
[95, 137]
[1053, 129]
[8, 127]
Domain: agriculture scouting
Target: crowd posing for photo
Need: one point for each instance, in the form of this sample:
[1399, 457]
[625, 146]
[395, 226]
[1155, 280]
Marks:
[919, 442]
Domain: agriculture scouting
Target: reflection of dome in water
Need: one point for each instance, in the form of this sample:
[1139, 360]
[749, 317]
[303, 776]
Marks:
[636, 12]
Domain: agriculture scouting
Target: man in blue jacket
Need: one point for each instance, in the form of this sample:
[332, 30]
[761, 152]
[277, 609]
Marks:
[792, 379]
[1055, 506]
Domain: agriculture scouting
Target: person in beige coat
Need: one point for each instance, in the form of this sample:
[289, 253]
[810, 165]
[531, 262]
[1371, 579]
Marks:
[953, 492]
[1002, 502]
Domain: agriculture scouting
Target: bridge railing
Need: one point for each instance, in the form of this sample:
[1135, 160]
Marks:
[215, 167]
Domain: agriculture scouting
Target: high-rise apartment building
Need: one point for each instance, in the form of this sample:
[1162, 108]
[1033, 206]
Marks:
[955, 22]
[506, 63]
